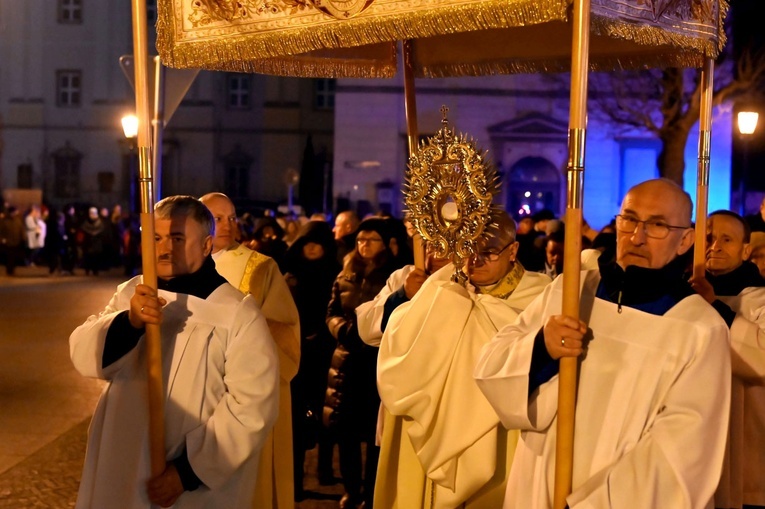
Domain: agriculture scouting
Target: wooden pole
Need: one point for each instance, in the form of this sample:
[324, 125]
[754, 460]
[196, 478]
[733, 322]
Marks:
[702, 174]
[567, 381]
[152, 339]
[410, 108]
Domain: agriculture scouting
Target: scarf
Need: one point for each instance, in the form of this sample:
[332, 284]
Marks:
[199, 284]
[651, 290]
[732, 283]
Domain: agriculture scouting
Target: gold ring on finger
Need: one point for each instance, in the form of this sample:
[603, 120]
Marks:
[563, 342]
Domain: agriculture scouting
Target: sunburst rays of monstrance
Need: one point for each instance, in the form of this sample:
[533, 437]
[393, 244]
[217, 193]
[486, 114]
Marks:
[449, 187]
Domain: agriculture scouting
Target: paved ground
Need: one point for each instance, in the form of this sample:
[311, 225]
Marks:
[46, 405]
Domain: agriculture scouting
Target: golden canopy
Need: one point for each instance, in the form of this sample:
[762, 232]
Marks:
[356, 38]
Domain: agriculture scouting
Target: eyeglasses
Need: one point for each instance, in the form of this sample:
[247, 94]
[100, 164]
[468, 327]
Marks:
[653, 228]
[489, 256]
[361, 240]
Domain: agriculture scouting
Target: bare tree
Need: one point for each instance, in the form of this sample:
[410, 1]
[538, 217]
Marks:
[666, 102]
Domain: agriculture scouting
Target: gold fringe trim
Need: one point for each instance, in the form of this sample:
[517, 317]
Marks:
[663, 49]
[649, 35]
[679, 58]
[315, 68]
[362, 30]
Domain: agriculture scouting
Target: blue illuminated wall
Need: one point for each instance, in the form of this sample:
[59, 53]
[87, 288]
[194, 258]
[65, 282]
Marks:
[614, 164]
[517, 118]
[720, 163]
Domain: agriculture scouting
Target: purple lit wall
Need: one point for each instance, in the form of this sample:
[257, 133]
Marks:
[516, 120]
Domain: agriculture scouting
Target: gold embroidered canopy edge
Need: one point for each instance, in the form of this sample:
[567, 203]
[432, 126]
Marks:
[239, 46]
[267, 46]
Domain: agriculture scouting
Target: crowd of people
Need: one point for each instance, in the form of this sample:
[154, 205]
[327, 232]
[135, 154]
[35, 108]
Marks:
[89, 239]
[288, 336]
[95, 239]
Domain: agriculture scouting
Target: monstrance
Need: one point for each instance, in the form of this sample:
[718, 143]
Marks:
[449, 188]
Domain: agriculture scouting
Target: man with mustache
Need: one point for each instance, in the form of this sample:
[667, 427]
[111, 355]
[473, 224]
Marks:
[654, 384]
[219, 371]
[258, 275]
[734, 287]
[442, 445]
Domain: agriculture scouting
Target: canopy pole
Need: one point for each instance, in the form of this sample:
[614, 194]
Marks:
[152, 337]
[158, 125]
[410, 108]
[567, 381]
[702, 174]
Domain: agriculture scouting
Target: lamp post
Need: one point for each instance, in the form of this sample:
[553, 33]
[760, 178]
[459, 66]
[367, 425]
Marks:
[130, 129]
[747, 123]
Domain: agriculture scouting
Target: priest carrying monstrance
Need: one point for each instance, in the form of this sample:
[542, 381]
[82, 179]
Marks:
[442, 445]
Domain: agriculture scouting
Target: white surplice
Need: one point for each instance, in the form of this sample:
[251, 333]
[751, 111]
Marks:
[652, 404]
[441, 433]
[742, 480]
[369, 314]
[220, 376]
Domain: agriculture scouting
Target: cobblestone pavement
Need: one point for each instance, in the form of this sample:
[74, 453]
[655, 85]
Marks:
[45, 405]
[49, 478]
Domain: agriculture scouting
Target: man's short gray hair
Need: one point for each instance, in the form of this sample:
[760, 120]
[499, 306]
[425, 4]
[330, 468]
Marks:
[188, 206]
[502, 225]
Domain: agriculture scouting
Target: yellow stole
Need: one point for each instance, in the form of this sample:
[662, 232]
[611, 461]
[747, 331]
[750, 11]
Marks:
[505, 286]
[253, 262]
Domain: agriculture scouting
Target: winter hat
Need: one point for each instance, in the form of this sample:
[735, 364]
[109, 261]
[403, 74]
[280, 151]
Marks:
[319, 232]
[378, 225]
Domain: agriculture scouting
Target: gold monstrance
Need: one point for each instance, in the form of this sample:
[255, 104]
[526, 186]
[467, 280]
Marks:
[449, 189]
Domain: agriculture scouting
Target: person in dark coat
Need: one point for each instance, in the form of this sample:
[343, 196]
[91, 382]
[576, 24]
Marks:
[268, 239]
[55, 243]
[352, 401]
[12, 234]
[401, 242]
[72, 249]
[311, 267]
[345, 229]
[94, 231]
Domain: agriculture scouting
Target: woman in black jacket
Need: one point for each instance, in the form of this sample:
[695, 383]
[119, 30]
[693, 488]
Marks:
[311, 267]
[352, 402]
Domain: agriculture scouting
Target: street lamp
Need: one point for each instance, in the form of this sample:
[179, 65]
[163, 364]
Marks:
[747, 123]
[130, 129]
[130, 126]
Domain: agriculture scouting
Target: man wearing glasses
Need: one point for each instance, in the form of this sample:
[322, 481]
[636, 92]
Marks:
[654, 383]
[442, 446]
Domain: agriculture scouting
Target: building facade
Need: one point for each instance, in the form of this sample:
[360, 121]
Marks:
[522, 121]
[63, 93]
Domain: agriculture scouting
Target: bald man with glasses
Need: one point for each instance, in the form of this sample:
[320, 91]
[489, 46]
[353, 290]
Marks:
[654, 385]
[442, 445]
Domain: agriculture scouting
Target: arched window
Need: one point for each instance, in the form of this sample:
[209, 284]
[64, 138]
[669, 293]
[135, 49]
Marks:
[534, 184]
